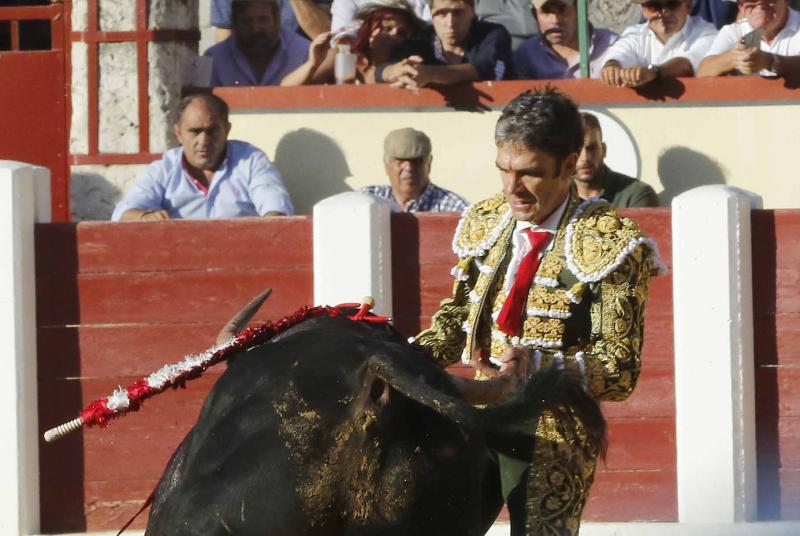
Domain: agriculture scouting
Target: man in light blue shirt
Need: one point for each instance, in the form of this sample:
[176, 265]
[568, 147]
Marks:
[208, 177]
[258, 52]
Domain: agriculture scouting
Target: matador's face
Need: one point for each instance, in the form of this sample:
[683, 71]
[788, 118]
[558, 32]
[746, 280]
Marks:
[535, 183]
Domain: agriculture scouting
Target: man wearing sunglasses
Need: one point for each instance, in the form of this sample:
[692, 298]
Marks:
[669, 43]
[766, 41]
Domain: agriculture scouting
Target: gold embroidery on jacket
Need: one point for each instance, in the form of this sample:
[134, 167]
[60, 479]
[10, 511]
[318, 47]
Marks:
[546, 329]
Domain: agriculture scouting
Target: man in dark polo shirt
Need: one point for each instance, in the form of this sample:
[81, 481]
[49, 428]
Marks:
[554, 52]
[593, 178]
[456, 48]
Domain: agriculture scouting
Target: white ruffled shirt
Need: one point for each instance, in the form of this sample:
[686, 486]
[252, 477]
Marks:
[521, 245]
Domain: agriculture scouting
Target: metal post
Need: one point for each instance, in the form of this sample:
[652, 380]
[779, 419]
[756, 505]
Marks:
[583, 37]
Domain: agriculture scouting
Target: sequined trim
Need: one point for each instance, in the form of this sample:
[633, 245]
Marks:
[545, 281]
[599, 266]
[483, 267]
[548, 313]
[481, 248]
[517, 341]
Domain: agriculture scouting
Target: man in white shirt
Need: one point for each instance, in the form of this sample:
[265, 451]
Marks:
[765, 41]
[669, 43]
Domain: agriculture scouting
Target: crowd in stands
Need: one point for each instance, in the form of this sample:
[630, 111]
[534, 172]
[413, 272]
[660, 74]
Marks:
[412, 43]
[209, 176]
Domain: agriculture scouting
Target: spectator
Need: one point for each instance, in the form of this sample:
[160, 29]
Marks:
[669, 43]
[458, 48]
[594, 179]
[207, 176]
[343, 12]
[259, 52]
[554, 52]
[385, 25]
[407, 160]
[514, 15]
[776, 52]
[308, 18]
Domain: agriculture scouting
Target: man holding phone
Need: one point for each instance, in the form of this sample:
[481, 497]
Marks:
[766, 40]
[669, 43]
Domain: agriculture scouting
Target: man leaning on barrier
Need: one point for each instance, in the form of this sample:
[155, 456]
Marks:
[456, 48]
[554, 53]
[670, 43]
[765, 41]
[208, 176]
[532, 291]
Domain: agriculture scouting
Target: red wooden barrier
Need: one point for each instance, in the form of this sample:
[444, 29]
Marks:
[115, 301]
[776, 281]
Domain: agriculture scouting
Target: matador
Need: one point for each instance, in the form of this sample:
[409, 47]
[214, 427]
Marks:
[581, 308]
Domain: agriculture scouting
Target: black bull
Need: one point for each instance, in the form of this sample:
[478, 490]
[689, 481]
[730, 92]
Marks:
[338, 427]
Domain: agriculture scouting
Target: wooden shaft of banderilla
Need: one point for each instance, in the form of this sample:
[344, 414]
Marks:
[62, 430]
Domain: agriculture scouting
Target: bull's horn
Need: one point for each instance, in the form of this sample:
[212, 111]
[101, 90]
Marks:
[240, 319]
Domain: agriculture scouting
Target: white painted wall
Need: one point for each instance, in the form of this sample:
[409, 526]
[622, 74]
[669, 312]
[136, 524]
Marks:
[353, 251]
[24, 200]
[714, 361]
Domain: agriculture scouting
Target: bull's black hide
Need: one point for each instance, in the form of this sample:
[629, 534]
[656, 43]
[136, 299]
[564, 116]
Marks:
[334, 428]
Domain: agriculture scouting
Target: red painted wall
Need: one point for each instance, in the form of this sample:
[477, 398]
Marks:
[114, 303]
[776, 292]
[33, 108]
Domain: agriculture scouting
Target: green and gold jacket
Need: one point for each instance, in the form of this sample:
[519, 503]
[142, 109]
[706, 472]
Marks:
[585, 308]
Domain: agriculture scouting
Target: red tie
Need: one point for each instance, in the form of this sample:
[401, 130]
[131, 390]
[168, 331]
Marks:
[511, 313]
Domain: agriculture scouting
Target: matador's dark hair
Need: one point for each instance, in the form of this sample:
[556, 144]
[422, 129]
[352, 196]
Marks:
[545, 120]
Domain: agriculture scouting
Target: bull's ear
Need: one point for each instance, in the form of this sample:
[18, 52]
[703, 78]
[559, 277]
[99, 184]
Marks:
[396, 378]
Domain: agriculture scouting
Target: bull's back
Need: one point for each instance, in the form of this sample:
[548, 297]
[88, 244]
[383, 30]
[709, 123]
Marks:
[263, 456]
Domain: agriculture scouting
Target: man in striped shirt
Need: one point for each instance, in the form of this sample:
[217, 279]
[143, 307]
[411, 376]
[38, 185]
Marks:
[407, 159]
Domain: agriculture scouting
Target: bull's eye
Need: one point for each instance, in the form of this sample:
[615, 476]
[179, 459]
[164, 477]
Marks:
[379, 391]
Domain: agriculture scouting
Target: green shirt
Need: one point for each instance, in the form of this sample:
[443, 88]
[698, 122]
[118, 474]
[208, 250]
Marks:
[626, 192]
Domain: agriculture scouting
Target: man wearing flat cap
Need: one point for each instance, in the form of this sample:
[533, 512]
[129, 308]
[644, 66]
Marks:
[670, 43]
[554, 53]
[258, 52]
[407, 159]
